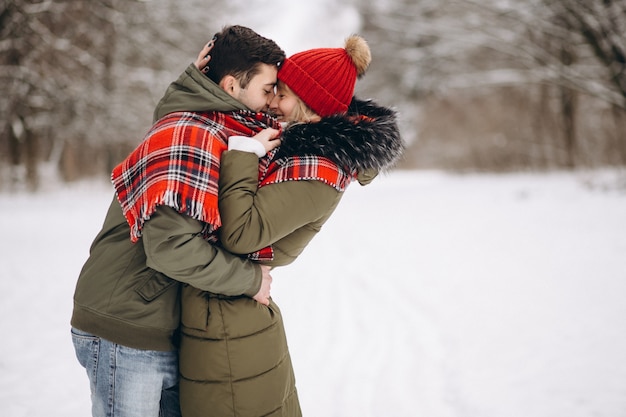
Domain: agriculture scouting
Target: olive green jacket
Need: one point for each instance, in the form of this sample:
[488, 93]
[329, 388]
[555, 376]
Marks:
[286, 215]
[234, 358]
[129, 293]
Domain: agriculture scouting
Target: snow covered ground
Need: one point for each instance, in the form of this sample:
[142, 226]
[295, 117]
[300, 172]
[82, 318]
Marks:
[426, 294]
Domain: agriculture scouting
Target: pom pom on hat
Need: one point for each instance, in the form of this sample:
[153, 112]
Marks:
[325, 78]
[359, 51]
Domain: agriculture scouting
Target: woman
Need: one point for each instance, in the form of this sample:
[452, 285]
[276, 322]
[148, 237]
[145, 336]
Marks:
[234, 358]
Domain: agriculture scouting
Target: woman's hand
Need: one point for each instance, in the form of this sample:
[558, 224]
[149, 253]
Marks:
[268, 138]
[202, 62]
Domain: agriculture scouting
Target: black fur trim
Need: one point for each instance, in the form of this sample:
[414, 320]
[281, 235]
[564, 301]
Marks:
[365, 138]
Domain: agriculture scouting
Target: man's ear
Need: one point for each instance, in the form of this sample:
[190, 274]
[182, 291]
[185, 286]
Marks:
[229, 84]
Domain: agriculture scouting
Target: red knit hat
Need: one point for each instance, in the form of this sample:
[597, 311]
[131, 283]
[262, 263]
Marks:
[324, 78]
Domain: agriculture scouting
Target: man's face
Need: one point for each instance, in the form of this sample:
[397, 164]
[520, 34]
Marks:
[260, 90]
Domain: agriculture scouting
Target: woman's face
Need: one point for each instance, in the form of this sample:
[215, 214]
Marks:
[283, 103]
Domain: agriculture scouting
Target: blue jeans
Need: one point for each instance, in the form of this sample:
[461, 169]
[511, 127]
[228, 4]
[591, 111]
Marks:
[127, 382]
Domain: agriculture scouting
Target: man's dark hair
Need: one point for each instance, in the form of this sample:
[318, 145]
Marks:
[239, 51]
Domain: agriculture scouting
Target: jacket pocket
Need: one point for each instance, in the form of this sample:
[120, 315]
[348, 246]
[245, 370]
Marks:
[154, 285]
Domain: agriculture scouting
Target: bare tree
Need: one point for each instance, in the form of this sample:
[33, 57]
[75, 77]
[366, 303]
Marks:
[470, 47]
[441, 39]
[83, 79]
[51, 54]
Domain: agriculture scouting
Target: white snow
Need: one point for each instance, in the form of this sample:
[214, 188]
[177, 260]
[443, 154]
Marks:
[426, 294]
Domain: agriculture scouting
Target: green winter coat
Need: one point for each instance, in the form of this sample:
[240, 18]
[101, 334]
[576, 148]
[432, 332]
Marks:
[234, 359]
[130, 293]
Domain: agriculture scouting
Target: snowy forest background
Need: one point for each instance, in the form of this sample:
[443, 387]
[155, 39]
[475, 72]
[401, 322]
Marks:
[481, 85]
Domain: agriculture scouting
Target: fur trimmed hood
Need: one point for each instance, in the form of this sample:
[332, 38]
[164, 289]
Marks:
[365, 138]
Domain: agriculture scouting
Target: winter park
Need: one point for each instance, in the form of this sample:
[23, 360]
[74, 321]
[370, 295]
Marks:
[483, 276]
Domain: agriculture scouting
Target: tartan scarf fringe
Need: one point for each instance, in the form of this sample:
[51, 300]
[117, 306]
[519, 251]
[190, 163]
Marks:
[210, 216]
[193, 208]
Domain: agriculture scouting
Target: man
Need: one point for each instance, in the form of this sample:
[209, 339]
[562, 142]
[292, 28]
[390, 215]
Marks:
[156, 237]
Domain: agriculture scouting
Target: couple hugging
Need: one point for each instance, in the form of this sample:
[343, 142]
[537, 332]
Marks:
[249, 155]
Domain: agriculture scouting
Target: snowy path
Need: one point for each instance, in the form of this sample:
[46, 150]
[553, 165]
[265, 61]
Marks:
[425, 295]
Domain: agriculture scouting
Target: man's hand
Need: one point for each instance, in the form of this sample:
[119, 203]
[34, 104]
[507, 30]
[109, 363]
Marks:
[263, 296]
[268, 138]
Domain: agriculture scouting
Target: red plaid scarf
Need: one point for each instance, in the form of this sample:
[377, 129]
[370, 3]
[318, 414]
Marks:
[309, 167]
[177, 165]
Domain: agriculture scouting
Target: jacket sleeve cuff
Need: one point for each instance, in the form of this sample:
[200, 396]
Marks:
[246, 144]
